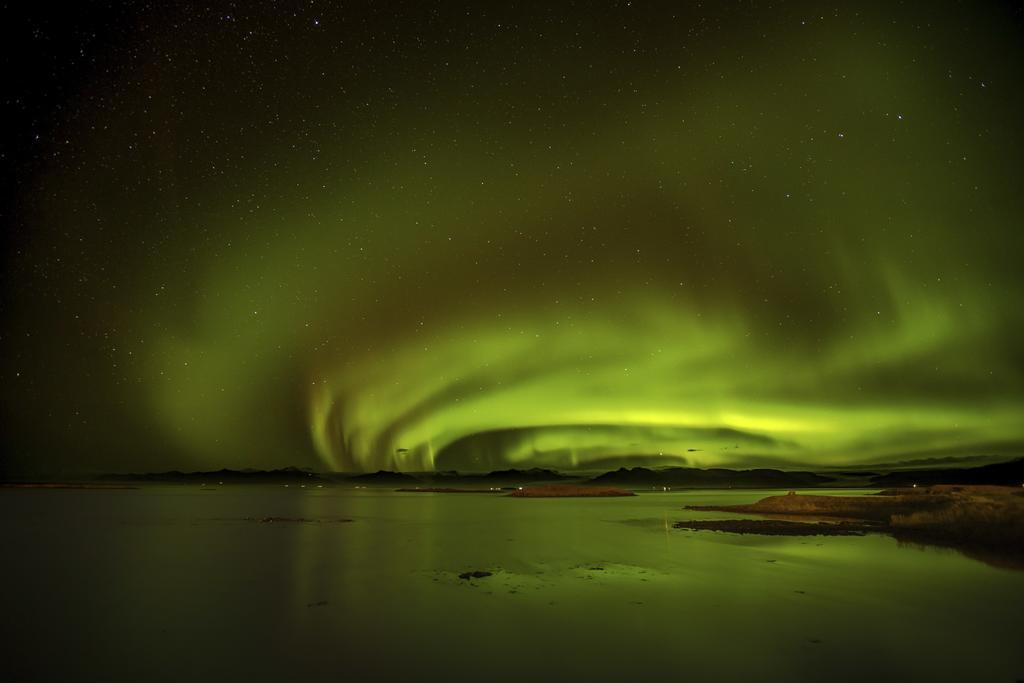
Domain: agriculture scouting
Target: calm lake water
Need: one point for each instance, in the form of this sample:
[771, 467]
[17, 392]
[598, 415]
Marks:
[170, 583]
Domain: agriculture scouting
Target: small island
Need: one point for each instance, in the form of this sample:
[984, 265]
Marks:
[446, 489]
[569, 491]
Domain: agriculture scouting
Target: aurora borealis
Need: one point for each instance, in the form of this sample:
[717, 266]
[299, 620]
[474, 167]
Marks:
[391, 236]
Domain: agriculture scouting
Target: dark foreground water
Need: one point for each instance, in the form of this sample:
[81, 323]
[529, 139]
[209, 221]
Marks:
[173, 584]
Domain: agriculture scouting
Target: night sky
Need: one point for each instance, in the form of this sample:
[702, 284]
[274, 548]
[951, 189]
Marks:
[475, 237]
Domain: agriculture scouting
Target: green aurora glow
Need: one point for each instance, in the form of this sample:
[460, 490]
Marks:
[755, 237]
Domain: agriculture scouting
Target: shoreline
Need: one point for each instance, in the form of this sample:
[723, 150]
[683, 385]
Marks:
[984, 522]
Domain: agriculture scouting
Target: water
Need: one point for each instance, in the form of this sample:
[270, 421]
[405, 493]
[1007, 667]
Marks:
[171, 583]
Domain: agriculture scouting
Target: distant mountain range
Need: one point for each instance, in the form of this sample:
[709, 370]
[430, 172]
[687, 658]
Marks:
[715, 478]
[637, 477]
[503, 476]
[1005, 473]
[378, 477]
[283, 475]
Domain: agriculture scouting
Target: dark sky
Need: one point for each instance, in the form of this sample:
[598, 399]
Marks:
[398, 236]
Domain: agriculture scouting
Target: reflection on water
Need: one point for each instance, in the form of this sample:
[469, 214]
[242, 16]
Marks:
[160, 583]
[1001, 558]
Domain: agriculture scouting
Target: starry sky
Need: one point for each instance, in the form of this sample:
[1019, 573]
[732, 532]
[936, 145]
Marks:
[461, 236]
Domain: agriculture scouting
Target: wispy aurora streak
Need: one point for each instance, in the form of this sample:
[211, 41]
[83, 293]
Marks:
[723, 253]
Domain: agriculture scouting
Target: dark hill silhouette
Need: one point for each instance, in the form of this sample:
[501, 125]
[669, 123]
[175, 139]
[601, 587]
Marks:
[1003, 473]
[383, 477]
[532, 474]
[692, 477]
